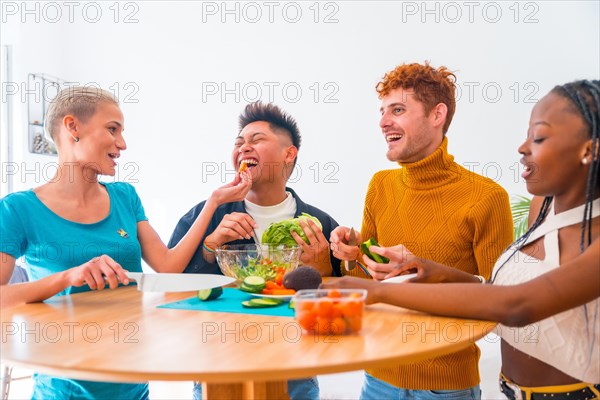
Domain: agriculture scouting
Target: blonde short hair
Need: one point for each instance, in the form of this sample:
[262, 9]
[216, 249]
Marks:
[79, 101]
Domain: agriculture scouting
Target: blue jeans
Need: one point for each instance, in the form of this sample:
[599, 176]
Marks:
[298, 389]
[377, 389]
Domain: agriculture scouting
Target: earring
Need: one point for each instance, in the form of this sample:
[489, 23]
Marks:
[75, 138]
[584, 161]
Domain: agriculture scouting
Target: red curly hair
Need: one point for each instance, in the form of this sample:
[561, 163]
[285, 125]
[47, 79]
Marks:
[431, 86]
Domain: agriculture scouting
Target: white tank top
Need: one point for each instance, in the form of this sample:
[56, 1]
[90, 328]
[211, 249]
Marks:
[265, 215]
[569, 341]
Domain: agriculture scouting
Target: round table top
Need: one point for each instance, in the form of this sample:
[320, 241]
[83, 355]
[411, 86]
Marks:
[121, 335]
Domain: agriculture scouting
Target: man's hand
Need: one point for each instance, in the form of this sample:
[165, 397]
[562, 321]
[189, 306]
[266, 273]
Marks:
[94, 273]
[339, 243]
[316, 252]
[234, 226]
[397, 255]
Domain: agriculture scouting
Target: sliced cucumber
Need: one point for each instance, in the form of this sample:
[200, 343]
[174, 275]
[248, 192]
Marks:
[268, 301]
[210, 294]
[261, 303]
[245, 288]
[255, 283]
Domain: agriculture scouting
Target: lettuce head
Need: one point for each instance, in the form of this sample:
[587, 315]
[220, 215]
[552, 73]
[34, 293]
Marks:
[281, 232]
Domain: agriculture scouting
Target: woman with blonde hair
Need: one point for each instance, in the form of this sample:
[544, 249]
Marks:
[77, 233]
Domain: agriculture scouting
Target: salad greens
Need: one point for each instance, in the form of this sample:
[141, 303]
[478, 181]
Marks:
[264, 268]
[281, 232]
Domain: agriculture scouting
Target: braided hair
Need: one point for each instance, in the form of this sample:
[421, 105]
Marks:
[585, 98]
[585, 95]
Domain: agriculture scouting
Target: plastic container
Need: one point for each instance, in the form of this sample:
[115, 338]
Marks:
[330, 311]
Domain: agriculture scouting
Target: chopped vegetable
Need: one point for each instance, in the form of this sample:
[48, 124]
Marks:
[210, 294]
[254, 283]
[272, 285]
[279, 278]
[247, 289]
[279, 292]
[264, 268]
[261, 303]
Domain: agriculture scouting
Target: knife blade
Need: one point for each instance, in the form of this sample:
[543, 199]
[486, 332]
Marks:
[164, 282]
[351, 264]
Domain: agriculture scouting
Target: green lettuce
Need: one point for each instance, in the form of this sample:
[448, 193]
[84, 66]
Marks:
[281, 232]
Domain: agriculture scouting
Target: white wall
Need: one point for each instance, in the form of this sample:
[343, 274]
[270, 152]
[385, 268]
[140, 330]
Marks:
[29, 55]
[162, 62]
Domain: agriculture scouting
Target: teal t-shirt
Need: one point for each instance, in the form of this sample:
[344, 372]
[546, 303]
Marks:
[52, 244]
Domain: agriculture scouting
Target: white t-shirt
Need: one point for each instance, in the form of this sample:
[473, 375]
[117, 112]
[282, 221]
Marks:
[263, 216]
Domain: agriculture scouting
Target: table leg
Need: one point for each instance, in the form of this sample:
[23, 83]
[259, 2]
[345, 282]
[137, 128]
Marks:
[221, 391]
[248, 390]
[272, 390]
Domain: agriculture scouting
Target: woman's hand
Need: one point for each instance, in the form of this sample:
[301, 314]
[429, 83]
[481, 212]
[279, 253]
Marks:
[96, 273]
[236, 225]
[232, 227]
[233, 191]
[431, 272]
[350, 282]
[427, 271]
[403, 262]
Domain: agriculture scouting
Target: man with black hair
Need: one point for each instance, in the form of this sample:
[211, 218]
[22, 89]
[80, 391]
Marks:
[267, 144]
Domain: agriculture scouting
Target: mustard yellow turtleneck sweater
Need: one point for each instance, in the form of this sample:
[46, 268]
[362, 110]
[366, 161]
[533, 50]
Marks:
[443, 212]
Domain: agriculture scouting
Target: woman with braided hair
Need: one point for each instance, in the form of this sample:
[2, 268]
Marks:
[545, 288]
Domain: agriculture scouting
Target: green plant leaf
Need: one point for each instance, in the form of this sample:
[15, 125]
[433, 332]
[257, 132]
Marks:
[520, 212]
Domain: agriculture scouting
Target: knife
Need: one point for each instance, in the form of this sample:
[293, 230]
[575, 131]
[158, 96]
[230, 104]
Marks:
[351, 264]
[177, 282]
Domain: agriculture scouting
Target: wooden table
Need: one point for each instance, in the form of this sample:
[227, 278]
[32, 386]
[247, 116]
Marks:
[120, 335]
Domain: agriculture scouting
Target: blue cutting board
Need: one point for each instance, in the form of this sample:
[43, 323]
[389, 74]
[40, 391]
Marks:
[230, 302]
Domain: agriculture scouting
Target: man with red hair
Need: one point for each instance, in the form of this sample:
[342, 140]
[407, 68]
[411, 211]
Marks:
[437, 210]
